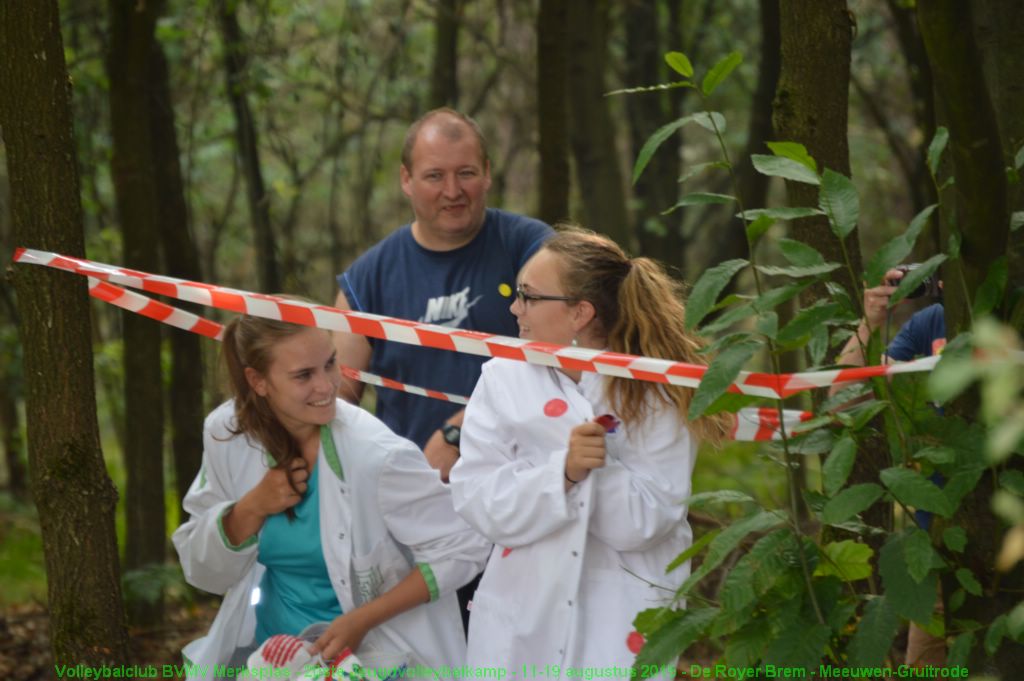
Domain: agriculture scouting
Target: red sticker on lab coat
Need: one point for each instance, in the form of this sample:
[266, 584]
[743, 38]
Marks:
[635, 641]
[505, 552]
[555, 408]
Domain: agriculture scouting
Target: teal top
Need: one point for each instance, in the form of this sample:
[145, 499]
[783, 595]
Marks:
[295, 590]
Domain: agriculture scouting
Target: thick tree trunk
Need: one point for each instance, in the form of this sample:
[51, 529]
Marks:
[444, 82]
[247, 139]
[182, 259]
[552, 110]
[593, 134]
[811, 108]
[131, 36]
[998, 27]
[75, 497]
[659, 236]
[980, 214]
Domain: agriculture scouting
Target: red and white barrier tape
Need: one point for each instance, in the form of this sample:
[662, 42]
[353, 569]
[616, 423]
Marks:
[752, 423]
[460, 340]
[146, 306]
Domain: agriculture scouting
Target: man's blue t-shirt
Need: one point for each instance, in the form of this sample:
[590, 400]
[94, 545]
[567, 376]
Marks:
[923, 335]
[470, 287]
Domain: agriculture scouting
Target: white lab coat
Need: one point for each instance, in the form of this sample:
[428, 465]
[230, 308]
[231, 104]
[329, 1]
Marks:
[570, 569]
[382, 511]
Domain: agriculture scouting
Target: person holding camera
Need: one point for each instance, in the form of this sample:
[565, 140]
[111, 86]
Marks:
[923, 335]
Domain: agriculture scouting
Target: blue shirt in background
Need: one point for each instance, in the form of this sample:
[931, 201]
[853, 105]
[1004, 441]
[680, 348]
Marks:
[470, 287]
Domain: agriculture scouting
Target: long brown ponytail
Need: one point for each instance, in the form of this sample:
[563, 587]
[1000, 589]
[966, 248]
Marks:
[639, 310]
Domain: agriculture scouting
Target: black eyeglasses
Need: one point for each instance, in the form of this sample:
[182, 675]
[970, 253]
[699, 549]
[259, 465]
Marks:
[525, 297]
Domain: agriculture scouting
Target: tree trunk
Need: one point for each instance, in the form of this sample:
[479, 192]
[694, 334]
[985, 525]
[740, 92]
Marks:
[980, 214]
[998, 27]
[247, 139]
[811, 105]
[75, 497]
[811, 108]
[444, 83]
[131, 36]
[593, 134]
[182, 259]
[659, 236]
[552, 110]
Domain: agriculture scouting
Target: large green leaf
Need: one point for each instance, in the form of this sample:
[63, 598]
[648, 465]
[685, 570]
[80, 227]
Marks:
[757, 571]
[990, 293]
[960, 651]
[728, 540]
[712, 121]
[797, 272]
[851, 501]
[838, 199]
[700, 199]
[996, 631]
[921, 557]
[679, 63]
[794, 151]
[665, 644]
[821, 314]
[782, 213]
[695, 170]
[800, 254]
[722, 496]
[848, 560]
[909, 598]
[912, 279]
[838, 465]
[968, 581]
[776, 166]
[896, 249]
[913, 489]
[874, 636]
[745, 647]
[936, 147]
[720, 71]
[655, 141]
[692, 550]
[705, 291]
[757, 228]
[955, 538]
[799, 645]
[774, 297]
[721, 374]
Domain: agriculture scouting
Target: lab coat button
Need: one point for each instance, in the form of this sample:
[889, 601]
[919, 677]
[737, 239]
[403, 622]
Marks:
[341, 535]
[570, 604]
[582, 504]
[575, 554]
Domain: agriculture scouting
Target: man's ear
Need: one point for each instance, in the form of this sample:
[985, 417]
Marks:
[405, 179]
[256, 381]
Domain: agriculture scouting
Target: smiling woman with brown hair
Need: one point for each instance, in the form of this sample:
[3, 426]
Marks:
[308, 509]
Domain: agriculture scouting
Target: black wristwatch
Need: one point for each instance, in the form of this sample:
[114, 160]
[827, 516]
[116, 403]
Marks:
[452, 434]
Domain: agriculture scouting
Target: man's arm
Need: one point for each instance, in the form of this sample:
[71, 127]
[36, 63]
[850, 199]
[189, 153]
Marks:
[353, 351]
[439, 454]
[876, 309]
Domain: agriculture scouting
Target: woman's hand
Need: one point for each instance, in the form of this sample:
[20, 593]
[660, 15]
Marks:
[346, 631]
[272, 495]
[586, 450]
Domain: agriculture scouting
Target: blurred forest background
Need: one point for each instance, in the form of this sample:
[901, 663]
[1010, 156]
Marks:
[255, 144]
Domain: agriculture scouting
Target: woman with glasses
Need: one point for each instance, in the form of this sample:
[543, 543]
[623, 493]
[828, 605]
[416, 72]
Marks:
[579, 479]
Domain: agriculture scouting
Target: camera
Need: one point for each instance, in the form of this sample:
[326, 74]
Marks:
[929, 287]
